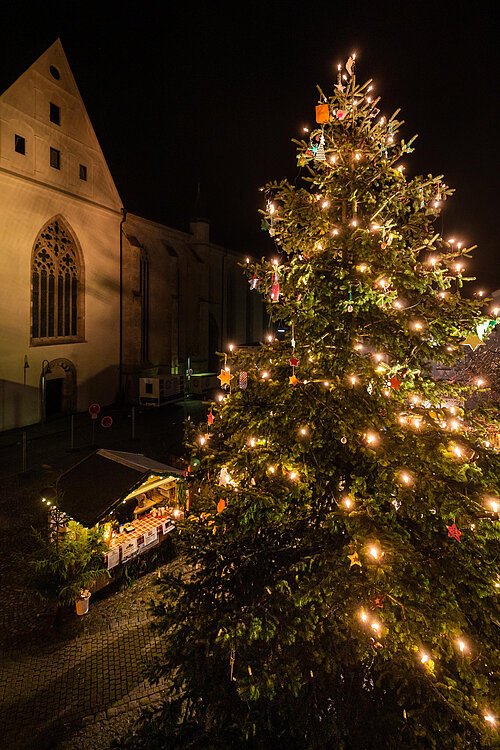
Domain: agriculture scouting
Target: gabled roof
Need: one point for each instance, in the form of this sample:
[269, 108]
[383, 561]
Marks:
[96, 485]
[25, 103]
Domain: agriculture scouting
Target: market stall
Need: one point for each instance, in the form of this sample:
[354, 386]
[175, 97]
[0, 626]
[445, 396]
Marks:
[135, 499]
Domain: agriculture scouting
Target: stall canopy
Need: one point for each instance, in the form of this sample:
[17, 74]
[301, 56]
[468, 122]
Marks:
[91, 489]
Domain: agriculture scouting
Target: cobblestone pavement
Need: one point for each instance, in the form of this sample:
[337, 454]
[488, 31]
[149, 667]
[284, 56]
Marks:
[85, 685]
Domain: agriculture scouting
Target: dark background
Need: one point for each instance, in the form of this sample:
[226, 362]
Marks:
[209, 92]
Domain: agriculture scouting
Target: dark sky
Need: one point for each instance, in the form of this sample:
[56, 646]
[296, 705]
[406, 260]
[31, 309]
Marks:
[211, 91]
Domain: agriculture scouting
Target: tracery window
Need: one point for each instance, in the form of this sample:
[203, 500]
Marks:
[57, 286]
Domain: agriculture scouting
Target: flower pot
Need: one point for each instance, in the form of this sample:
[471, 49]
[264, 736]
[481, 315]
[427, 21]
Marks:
[82, 605]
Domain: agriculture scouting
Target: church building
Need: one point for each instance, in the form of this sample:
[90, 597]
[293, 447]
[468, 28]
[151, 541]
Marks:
[92, 296]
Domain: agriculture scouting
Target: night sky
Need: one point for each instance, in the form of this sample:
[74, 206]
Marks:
[181, 93]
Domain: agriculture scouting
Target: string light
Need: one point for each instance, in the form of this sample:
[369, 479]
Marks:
[265, 375]
[462, 646]
[490, 719]
[363, 616]
[406, 478]
[293, 475]
[424, 658]
[493, 504]
[372, 438]
[271, 470]
[347, 502]
[375, 552]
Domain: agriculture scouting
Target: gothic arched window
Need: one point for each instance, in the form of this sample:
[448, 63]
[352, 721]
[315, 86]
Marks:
[57, 286]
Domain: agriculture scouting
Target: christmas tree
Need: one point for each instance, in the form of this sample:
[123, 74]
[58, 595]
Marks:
[342, 540]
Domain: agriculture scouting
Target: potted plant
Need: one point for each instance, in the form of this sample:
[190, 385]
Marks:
[82, 602]
[66, 564]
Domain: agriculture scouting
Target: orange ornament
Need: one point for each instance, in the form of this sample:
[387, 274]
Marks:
[322, 113]
[221, 505]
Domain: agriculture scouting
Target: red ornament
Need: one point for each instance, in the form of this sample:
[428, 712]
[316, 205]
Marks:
[395, 382]
[275, 288]
[340, 114]
[294, 362]
[377, 601]
[210, 417]
[454, 532]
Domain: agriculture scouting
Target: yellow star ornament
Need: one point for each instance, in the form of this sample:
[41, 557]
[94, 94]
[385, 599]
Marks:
[473, 341]
[293, 380]
[354, 558]
[225, 377]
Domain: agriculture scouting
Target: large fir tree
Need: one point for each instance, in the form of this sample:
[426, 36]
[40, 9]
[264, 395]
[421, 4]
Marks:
[343, 536]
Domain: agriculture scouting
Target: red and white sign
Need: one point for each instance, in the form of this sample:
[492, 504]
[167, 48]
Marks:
[107, 421]
[94, 410]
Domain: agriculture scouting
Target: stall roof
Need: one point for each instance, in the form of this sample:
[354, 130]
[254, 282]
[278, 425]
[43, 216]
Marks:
[89, 490]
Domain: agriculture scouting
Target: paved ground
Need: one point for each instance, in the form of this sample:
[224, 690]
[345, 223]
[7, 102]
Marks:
[82, 683]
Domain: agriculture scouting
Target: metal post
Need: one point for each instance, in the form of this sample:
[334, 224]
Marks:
[93, 431]
[24, 453]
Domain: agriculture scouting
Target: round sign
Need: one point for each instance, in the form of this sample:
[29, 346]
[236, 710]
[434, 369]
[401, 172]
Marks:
[94, 410]
[107, 421]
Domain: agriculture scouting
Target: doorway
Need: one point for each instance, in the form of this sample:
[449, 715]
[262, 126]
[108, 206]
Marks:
[53, 397]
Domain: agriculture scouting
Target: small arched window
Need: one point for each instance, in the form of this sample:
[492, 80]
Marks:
[57, 286]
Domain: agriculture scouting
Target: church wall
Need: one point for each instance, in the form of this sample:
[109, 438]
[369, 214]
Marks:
[26, 208]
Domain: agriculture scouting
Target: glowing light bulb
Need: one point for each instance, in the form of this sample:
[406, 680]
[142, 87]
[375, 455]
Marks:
[376, 626]
[363, 616]
[327, 384]
[494, 505]
[424, 658]
[353, 379]
[293, 475]
[265, 375]
[272, 470]
[495, 311]
[269, 337]
[375, 552]
[272, 208]
[220, 397]
[247, 260]
[398, 304]
[335, 232]
[457, 450]
[347, 502]
[480, 382]
[458, 267]
[325, 204]
[306, 130]
[406, 478]
[490, 719]
[251, 442]
[372, 438]
[202, 440]
[275, 261]
[462, 646]
[303, 430]
[357, 155]
[354, 223]
[362, 267]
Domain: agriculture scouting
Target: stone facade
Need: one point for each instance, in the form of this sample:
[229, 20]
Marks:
[76, 268]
